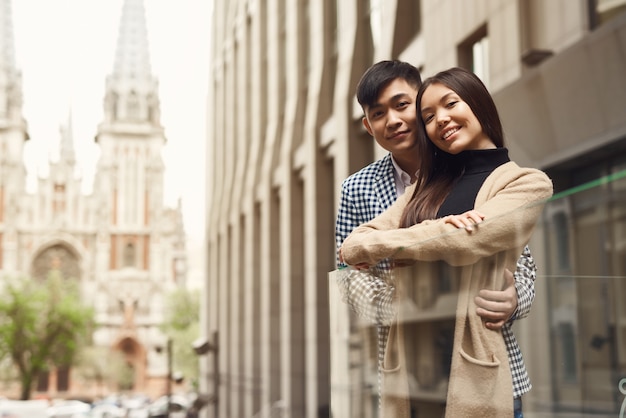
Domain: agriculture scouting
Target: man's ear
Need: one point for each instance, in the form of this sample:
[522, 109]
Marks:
[366, 124]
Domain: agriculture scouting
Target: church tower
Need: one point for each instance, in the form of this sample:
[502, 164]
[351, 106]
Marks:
[131, 139]
[13, 135]
[138, 244]
[120, 243]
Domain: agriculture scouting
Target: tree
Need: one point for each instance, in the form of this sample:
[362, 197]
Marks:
[42, 325]
[182, 324]
[102, 366]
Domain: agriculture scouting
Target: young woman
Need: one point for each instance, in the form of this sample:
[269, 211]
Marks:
[466, 181]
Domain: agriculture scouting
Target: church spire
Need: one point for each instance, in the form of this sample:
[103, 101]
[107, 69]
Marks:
[67, 154]
[131, 90]
[132, 57]
[10, 77]
[7, 43]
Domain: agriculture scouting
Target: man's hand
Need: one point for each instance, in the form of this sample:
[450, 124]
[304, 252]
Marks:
[496, 307]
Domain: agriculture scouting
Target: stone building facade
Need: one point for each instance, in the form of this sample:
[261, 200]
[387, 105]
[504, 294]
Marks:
[285, 130]
[124, 247]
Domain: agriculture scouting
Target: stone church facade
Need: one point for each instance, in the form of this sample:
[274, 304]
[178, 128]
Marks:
[124, 247]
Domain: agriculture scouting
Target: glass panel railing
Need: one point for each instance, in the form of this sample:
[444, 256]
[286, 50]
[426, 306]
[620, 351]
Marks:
[573, 341]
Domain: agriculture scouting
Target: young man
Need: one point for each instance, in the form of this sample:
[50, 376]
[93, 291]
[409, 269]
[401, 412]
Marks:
[387, 92]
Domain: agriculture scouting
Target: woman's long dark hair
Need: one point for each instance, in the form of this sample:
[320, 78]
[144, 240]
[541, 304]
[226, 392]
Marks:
[439, 170]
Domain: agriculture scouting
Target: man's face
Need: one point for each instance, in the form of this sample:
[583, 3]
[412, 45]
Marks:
[392, 120]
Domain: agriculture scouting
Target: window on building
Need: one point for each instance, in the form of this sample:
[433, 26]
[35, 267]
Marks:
[63, 379]
[601, 11]
[561, 234]
[408, 24]
[58, 199]
[473, 54]
[129, 255]
[448, 281]
[306, 23]
[42, 381]
[132, 107]
[376, 21]
[567, 358]
[334, 38]
[585, 236]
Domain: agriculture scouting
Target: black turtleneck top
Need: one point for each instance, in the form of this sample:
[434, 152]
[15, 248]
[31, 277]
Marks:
[478, 165]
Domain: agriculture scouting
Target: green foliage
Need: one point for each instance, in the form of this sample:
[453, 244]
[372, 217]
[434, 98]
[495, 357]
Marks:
[183, 310]
[182, 325]
[103, 366]
[42, 324]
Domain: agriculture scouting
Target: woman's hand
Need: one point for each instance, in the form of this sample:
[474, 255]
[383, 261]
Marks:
[466, 220]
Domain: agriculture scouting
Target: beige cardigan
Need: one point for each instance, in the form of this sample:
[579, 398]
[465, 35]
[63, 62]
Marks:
[511, 198]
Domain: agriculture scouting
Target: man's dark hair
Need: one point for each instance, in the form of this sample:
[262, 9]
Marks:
[379, 75]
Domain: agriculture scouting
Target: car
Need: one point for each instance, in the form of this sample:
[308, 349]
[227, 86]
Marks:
[107, 410]
[179, 405]
[69, 409]
[23, 409]
[141, 412]
[136, 406]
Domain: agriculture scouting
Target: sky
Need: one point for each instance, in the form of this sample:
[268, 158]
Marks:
[65, 49]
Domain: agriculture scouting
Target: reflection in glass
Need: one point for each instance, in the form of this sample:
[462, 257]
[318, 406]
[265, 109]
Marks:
[576, 366]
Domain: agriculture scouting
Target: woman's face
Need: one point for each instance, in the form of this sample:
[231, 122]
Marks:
[450, 123]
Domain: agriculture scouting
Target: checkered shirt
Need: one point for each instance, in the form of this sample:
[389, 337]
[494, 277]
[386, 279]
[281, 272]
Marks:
[370, 293]
[365, 195]
[525, 276]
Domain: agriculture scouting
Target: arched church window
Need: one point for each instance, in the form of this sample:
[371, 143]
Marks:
[56, 258]
[129, 255]
[112, 105]
[132, 106]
